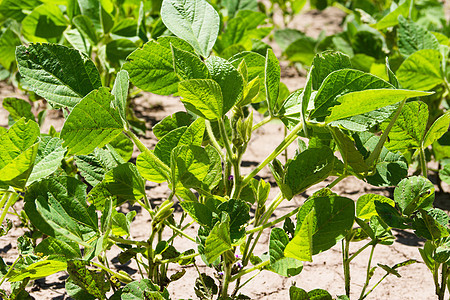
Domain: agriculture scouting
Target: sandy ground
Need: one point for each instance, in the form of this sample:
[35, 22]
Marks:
[324, 272]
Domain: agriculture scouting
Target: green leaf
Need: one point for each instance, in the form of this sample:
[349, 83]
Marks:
[203, 97]
[391, 19]
[296, 293]
[18, 9]
[37, 270]
[365, 206]
[125, 182]
[94, 166]
[325, 63]
[196, 22]
[302, 50]
[118, 50]
[93, 282]
[18, 149]
[229, 80]
[164, 147]
[421, 70]
[59, 246]
[18, 108]
[200, 212]
[120, 93]
[308, 168]
[123, 146]
[188, 65]
[343, 82]
[86, 28]
[77, 41]
[284, 266]
[92, 123]
[76, 292]
[120, 223]
[319, 294]
[414, 193]
[350, 154]
[413, 37]
[8, 43]
[333, 217]
[428, 224]
[272, 80]
[437, 130]
[149, 169]
[239, 213]
[218, 240]
[444, 174]
[169, 123]
[49, 156]
[141, 290]
[301, 245]
[409, 129]
[61, 75]
[44, 23]
[357, 103]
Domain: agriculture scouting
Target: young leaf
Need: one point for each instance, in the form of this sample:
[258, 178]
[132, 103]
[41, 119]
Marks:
[120, 93]
[188, 65]
[280, 264]
[92, 123]
[365, 206]
[18, 149]
[325, 63]
[91, 281]
[421, 70]
[125, 182]
[149, 169]
[413, 37]
[391, 19]
[169, 123]
[438, 129]
[414, 193]
[18, 108]
[218, 241]
[8, 43]
[203, 97]
[229, 80]
[37, 270]
[301, 245]
[61, 75]
[49, 156]
[272, 81]
[197, 22]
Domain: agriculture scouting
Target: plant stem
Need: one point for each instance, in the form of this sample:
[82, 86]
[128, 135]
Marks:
[264, 121]
[346, 265]
[276, 221]
[213, 139]
[175, 259]
[423, 163]
[249, 270]
[225, 140]
[292, 136]
[127, 242]
[227, 277]
[12, 198]
[10, 269]
[337, 180]
[176, 229]
[361, 296]
[444, 276]
[359, 251]
[121, 277]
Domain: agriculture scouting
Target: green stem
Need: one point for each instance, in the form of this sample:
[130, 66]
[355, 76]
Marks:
[263, 122]
[373, 157]
[276, 221]
[337, 180]
[121, 277]
[236, 190]
[127, 242]
[359, 251]
[176, 229]
[249, 270]
[175, 259]
[182, 230]
[444, 276]
[346, 265]
[361, 296]
[283, 145]
[213, 139]
[10, 269]
[12, 198]
[423, 163]
[225, 140]
[226, 279]
[436, 278]
[371, 290]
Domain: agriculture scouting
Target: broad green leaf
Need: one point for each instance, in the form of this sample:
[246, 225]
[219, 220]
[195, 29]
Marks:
[86, 27]
[61, 75]
[18, 9]
[59, 246]
[280, 264]
[319, 294]
[296, 293]
[214, 174]
[49, 156]
[151, 69]
[431, 224]
[141, 290]
[255, 64]
[444, 174]
[18, 108]
[120, 223]
[203, 97]
[409, 129]
[236, 6]
[302, 50]
[74, 38]
[123, 146]
[301, 245]
[365, 206]
[272, 80]
[325, 63]
[350, 154]
[308, 168]
[239, 213]
[341, 82]
[191, 164]
[421, 70]
[76, 292]
[218, 240]
[229, 80]
[94, 165]
[38, 270]
[125, 182]
[69, 196]
[92, 123]
[118, 50]
[285, 37]
[437, 130]
[188, 65]
[120, 92]
[44, 23]
[361, 102]
[200, 212]
[169, 123]
[91, 281]
[164, 147]
[194, 133]
[235, 33]
[8, 43]
[196, 22]
[149, 169]
[333, 217]
[18, 149]
[413, 37]
[391, 19]
[414, 193]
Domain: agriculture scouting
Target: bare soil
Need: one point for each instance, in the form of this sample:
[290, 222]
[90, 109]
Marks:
[324, 272]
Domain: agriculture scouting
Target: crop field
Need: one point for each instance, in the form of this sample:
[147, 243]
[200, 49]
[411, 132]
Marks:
[224, 149]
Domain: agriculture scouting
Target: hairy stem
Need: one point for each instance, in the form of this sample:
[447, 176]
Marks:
[361, 296]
